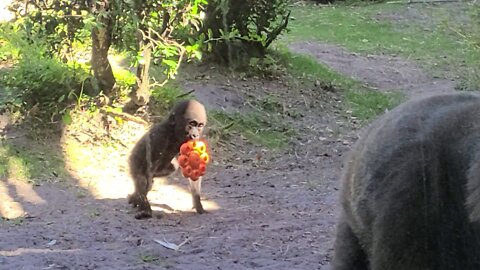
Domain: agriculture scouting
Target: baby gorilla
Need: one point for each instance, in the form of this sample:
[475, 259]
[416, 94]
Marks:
[411, 189]
[155, 153]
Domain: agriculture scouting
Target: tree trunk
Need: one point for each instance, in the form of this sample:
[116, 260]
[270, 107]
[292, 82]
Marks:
[101, 41]
[142, 89]
[140, 95]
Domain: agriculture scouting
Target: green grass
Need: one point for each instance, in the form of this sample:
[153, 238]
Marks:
[356, 28]
[12, 221]
[345, 25]
[124, 77]
[24, 164]
[308, 68]
[269, 104]
[165, 97]
[256, 127]
[362, 29]
[168, 93]
[365, 103]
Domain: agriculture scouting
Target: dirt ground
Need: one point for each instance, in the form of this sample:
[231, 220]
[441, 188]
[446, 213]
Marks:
[382, 72]
[266, 209]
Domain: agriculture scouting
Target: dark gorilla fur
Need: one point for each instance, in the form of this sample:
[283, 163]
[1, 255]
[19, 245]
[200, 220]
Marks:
[162, 143]
[411, 189]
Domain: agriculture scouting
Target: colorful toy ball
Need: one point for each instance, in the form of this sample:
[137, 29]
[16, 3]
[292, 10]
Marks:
[193, 159]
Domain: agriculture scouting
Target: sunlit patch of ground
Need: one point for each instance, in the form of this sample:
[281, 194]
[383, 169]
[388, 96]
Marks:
[103, 171]
[174, 196]
[9, 208]
[15, 188]
[100, 168]
[13, 193]
[5, 14]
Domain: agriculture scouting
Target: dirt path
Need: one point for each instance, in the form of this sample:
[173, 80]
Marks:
[385, 73]
[267, 210]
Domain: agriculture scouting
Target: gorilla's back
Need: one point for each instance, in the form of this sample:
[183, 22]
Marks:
[406, 185]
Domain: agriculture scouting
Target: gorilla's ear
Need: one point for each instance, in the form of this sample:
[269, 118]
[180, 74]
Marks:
[171, 119]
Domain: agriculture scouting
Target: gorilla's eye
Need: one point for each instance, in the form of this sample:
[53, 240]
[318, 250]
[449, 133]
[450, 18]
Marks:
[193, 123]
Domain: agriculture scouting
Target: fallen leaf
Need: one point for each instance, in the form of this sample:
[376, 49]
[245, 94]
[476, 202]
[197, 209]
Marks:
[51, 243]
[169, 245]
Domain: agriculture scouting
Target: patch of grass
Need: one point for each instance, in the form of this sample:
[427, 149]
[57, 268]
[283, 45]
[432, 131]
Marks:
[357, 29]
[255, 127]
[266, 67]
[158, 261]
[269, 104]
[306, 67]
[274, 105]
[167, 93]
[13, 221]
[146, 258]
[367, 104]
[21, 163]
[363, 29]
[349, 26]
[125, 78]
[470, 82]
[163, 98]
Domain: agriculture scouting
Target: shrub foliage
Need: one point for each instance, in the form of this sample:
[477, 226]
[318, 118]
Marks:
[56, 44]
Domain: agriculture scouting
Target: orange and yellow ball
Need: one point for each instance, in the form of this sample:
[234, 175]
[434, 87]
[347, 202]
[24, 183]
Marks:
[193, 159]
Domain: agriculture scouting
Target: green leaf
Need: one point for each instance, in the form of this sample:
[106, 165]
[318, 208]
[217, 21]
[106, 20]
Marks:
[61, 98]
[67, 118]
[71, 95]
[198, 55]
[169, 63]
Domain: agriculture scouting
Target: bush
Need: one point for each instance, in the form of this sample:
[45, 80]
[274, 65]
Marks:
[238, 30]
[36, 78]
[59, 23]
[147, 30]
[163, 98]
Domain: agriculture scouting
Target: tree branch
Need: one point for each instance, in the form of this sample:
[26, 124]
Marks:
[271, 37]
